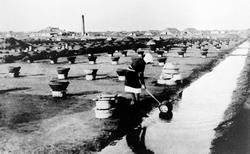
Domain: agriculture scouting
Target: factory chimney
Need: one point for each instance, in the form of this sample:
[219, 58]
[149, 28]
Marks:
[83, 26]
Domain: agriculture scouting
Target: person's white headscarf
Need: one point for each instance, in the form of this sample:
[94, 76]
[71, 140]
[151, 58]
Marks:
[148, 58]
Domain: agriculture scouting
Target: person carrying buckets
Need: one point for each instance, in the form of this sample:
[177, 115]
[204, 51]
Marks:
[134, 78]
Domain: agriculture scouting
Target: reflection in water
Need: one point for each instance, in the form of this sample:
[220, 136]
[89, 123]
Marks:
[136, 140]
[166, 116]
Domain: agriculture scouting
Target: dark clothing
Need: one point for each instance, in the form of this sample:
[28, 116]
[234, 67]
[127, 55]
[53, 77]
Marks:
[138, 64]
[132, 79]
[135, 75]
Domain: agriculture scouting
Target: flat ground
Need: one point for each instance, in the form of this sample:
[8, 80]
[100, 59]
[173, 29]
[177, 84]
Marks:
[31, 121]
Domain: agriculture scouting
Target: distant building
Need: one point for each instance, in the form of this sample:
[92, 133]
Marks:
[52, 33]
[136, 34]
[152, 33]
[171, 32]
[48, 32]
[215, 32]
[191, 31]
[148, 33]
[132, 34]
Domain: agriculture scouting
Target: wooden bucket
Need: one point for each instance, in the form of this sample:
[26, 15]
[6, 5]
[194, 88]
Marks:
[105, 105]
[103, 114]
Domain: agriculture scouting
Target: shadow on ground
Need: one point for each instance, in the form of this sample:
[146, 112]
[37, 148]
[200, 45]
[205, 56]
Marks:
[13, 89]
[16, 111]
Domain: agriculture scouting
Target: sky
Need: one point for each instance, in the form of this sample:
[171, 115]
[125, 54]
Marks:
[128, 15]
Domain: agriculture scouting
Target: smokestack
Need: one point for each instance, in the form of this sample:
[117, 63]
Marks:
[83, 26]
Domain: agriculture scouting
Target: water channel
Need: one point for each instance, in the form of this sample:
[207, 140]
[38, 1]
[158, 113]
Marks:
[201, 109]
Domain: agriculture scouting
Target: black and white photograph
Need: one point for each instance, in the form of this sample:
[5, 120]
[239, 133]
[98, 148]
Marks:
[124, 77]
